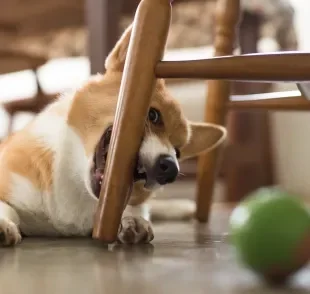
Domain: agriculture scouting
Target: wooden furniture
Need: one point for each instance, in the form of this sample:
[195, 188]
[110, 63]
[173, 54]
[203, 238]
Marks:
[32, 105]
[14, 61]
[24, 18]
[227, 18]
[19, 19]
[152, 19]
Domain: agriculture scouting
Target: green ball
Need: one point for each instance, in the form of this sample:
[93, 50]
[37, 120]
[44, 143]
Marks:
[270, 231]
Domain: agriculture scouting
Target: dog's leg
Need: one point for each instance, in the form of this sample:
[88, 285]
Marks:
[9, 222]
[135, 226]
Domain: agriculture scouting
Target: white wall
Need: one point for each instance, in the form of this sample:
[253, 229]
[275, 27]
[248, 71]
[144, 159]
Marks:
[291, 131]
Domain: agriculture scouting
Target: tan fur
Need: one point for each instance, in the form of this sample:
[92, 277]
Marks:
[90, 112]
[26, 157]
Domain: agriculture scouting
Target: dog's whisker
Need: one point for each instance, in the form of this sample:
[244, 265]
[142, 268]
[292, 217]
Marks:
[181, 175]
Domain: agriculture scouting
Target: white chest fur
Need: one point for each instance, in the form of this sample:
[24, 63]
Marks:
[68, 209]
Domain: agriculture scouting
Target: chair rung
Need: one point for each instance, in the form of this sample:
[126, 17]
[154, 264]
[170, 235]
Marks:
[285, 101]
[271, 67]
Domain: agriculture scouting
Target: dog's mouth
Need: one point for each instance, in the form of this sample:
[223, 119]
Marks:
[99, 163]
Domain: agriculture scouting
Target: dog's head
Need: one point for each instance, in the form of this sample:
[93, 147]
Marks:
[169, 137]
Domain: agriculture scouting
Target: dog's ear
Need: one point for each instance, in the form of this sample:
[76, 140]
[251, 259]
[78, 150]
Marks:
[204, 137]
[116, 59]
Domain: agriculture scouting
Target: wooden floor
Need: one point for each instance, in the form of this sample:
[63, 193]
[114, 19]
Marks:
[184, 258]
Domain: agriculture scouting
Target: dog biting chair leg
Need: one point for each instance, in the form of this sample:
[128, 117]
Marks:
[146, 48]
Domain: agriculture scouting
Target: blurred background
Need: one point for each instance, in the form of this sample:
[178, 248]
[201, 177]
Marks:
[49, 46]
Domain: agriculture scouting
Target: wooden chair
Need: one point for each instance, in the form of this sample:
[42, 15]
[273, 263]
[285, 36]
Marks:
[14, 61]
[146, 49]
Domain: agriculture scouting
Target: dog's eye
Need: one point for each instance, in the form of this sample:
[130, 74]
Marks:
[177, 152]
[154, 116]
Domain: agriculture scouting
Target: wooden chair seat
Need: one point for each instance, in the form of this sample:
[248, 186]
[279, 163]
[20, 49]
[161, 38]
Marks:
[18, 60]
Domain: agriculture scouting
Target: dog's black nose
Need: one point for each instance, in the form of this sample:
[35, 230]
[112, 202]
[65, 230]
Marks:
[165, 169]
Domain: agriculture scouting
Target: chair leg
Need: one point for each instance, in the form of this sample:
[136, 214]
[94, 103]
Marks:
[227, 18]
[102, 18]
[249, 131]
[146, 48]
[10, 125]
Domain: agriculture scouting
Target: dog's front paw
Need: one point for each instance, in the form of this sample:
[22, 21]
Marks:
[9, 233]
[134, 230]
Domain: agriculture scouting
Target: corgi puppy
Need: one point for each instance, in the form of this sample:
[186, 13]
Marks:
[51, 171]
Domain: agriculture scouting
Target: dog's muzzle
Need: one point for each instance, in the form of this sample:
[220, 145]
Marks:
[165, 169]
